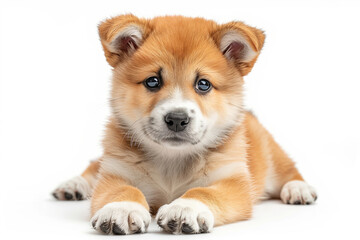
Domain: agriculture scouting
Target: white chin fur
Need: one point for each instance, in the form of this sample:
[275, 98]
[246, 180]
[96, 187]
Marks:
[176, 145]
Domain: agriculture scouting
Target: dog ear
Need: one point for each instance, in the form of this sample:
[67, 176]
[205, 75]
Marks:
[240, 44]
[121, 36]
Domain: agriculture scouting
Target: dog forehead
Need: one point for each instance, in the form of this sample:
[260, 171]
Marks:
[182, 24]
[180, 36]
[180, 45]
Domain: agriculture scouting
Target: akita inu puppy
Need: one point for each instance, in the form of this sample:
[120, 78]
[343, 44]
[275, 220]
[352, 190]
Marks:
[179, 144]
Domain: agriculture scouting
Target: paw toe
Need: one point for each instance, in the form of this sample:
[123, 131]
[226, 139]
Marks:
[78, 196]
[105, 227]
[68, 196]
[159, 222]
[117, 230]
[55, 195]
[203, 226]
[137, 224]
[93, 223]
[187, 229]
[172, 225]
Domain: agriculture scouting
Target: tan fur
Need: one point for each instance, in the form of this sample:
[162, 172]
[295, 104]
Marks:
[262, 147]
[90, 173]
[115, 189]
[230, 199]
[184, 47]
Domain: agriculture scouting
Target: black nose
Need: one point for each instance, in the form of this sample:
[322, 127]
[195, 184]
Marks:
[177, 121]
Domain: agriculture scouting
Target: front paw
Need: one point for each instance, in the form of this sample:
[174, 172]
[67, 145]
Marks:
[185, 216]
[76, 188]
[298, 192]
[121, 218]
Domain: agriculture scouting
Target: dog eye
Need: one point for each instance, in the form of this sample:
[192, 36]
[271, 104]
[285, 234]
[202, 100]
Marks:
[203, 86]
[152, 83]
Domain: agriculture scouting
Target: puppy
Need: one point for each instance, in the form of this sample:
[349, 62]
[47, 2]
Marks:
[179, 144]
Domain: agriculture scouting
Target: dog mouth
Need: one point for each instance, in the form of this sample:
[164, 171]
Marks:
[171, 139]
[174, 140]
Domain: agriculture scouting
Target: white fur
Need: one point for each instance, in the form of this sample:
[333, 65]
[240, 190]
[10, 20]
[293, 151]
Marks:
[186, 211]
[271, 183]
[129, 216]
[298, 192]
[272, 186]
[76, 184]
[153, 178]
[162, 181]
[205, 131]
[228, 170]
[196, 128]
[233, 36]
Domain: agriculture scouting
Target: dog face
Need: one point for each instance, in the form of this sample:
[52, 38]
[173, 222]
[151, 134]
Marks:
[177, 82]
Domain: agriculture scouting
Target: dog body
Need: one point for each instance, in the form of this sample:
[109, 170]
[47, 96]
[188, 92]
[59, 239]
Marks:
[179, 143]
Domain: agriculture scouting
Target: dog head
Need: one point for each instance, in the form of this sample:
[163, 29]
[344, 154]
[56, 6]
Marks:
[177, 81]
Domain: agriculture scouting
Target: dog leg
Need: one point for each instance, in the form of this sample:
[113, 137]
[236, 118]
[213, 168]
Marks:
[282, 179]
[119, 208]
[79, 187]
[294, 190]
[200, 209]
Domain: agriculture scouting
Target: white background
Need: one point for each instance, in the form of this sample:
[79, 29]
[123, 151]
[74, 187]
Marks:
[54, 90]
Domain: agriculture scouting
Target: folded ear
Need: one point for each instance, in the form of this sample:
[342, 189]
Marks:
[121, 36]
[240, 44]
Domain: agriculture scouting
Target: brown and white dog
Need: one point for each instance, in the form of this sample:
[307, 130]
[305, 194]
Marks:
[179, 144]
